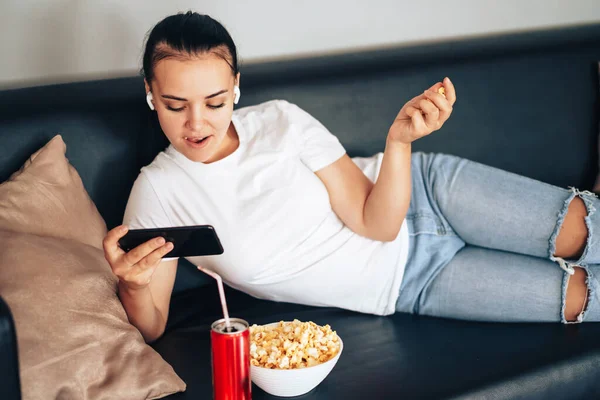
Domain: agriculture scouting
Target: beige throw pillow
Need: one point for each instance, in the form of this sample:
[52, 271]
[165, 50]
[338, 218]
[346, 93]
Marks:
[74, 339]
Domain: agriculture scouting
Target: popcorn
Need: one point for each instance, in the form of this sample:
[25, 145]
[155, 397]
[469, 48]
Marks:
[442, 91]
[292, 345]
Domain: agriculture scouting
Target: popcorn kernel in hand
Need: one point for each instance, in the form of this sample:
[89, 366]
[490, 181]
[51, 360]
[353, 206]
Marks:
[442, 91]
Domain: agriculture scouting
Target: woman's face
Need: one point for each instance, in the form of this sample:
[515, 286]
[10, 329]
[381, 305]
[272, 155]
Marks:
[193, 98]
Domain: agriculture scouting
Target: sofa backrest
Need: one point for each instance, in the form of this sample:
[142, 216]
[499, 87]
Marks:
[527, 103]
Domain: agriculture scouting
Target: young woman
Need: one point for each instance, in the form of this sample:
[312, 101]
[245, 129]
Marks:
[302, 222]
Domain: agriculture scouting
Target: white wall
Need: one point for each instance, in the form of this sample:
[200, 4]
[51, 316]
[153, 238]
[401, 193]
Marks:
[66, 40]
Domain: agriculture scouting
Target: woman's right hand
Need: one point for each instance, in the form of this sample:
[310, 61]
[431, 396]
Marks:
[136, 267]
[424, 113]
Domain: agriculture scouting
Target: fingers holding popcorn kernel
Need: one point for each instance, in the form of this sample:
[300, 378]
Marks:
[449, 91]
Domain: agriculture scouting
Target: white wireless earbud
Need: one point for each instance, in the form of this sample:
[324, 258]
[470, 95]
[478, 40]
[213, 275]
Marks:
[149, 100]
[236, 92]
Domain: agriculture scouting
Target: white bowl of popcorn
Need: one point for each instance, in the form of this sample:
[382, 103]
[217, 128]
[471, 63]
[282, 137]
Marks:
[291, 358]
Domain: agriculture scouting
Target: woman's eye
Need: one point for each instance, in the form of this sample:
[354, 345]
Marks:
[208, 105]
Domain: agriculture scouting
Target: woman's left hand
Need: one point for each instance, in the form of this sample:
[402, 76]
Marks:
[423, 114]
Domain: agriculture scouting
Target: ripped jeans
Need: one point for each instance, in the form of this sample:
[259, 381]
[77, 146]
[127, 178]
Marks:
[482, 243]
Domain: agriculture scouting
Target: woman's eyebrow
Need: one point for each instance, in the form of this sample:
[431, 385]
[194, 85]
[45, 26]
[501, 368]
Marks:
[216, 94]
[210, 96]
[168, 96]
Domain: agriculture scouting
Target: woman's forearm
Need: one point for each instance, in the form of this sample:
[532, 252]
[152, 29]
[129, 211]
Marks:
[142, 312]
[387, 204]
[388, 201]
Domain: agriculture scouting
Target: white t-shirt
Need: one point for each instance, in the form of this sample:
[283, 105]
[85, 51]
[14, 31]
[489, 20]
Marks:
[282, 240]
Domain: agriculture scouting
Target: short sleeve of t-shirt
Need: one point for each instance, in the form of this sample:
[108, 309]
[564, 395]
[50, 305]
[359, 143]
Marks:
[144, 209]
[318, 147]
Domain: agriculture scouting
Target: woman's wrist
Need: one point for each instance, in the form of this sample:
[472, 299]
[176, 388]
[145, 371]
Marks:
[131, 292]
[396, 145]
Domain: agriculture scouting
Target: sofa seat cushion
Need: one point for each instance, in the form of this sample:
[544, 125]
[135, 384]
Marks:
[401, 356]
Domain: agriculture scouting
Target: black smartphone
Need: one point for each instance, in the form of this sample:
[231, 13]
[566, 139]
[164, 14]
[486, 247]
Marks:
[188, 241]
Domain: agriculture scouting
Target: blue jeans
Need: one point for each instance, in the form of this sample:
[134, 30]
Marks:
[482, 243]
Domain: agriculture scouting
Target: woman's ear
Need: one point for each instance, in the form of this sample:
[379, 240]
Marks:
[149, 98]
[236, 89]
[236, 94]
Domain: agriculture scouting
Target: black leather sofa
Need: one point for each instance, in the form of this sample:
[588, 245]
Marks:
[528, 103]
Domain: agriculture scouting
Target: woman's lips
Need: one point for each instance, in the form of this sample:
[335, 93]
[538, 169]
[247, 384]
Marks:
[193, 141]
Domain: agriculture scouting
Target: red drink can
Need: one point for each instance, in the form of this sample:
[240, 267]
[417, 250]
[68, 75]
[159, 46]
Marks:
[231, 360]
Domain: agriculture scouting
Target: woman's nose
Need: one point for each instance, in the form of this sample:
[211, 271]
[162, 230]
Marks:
[195, 119]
